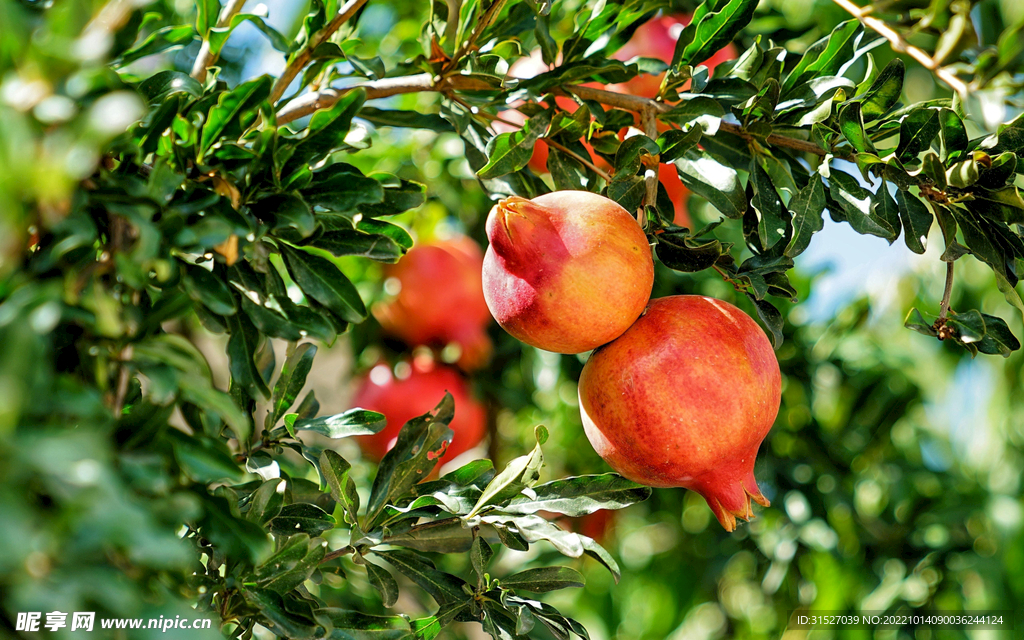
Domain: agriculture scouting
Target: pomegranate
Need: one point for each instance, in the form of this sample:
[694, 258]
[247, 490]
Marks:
[440, 300]
[684, 399]
[401, 400]
[567, 271]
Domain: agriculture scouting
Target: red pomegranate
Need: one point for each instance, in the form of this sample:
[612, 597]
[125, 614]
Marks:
[567, 271]
[440, 299]
[684, 399]
[401, 400]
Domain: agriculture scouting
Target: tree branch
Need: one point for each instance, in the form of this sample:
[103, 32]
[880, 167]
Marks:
[569, 152]
[376, 89]
[638, 104]
[648, 118]
[324, 99]
[947, 292]
[485, 20]
[901, 45]
[303, 58]
[207, 57]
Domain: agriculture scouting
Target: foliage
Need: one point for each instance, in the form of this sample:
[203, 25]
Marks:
[142, 206]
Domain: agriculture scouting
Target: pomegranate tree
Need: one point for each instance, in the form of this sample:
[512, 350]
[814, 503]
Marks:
[684, 399]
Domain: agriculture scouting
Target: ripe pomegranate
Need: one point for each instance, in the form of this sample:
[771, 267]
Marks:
[440, 299]
[657, 38]
[567, 271]
[684, 399]
[401, 400]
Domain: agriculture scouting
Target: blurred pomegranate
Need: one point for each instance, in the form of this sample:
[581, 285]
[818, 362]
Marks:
[401, 400]
[657, 39]
[439, 299]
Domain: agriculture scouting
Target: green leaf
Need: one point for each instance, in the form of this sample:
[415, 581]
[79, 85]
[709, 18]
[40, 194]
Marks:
[886, 211]
[970, 326]
[717, 183]
[233, 536]
[326, 131]
[681, 252]
[825, 57]
[421, 442]
[354, 625]
[352, 242]
[518, 474]
[884, 92]
[806, 208]
[292, 565]
[291, 381]
[164, 39]
[954, 134]
[770, 317]
[342, 188]
[916, 322]
[354, 422]
[323, 281]
[204, 460]
[544, 579]
[301, 518]
[242, 345]
[998, 338]
[382, 580]
[207, 12]
[629, 193]
[405, 119]
[509, 152]
[440, 536]
[580, 495]
[629, 156]
[265, 502]
[281, 615]
[766, 220]
[234, 112]
[206, 288]
[335, 471]
[443, 587]
[480, 554]
[857, 204]
[710, 31]
[917, 131]
[158, 87]
[1009, 137]
[851, 123]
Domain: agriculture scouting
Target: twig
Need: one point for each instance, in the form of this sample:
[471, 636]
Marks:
[337, 553]
[638, 104]
[899, 44]
[569, 152]
[324, 99]
[207, 57]
[650, 124]
[485, 20]
[376, 89]
[944, 305]
[300, 60]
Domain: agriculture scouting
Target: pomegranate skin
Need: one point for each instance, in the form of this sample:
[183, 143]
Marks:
[441, 300]
[684, 399]
[403, 400]
[567, 271]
